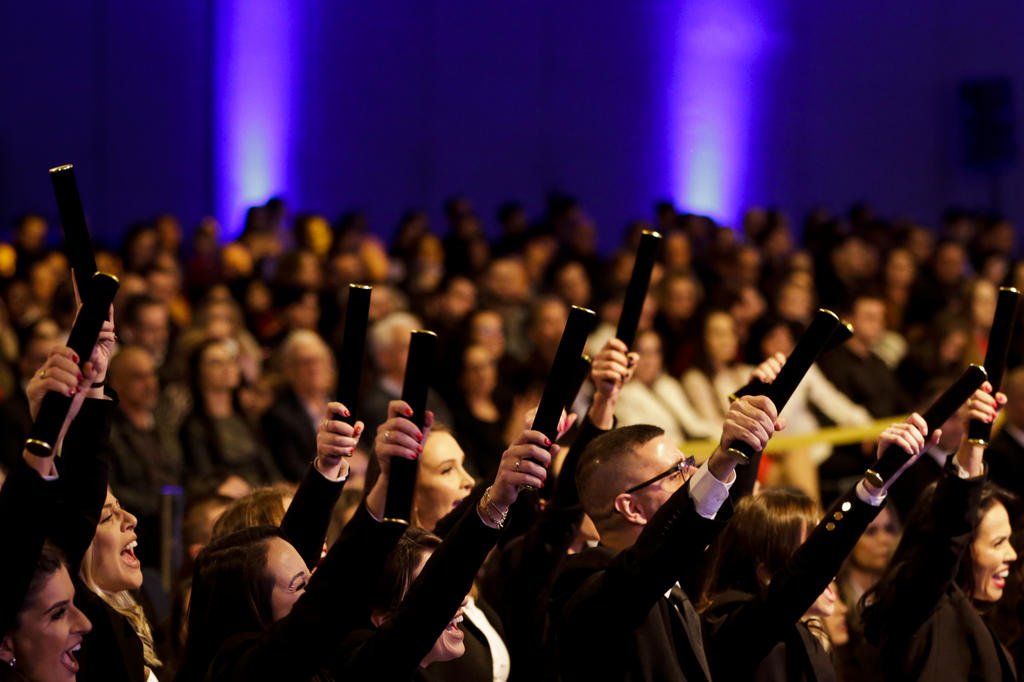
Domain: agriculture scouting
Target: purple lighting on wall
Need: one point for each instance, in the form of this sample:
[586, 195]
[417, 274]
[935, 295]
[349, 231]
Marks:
[252, 95]
[710, 99]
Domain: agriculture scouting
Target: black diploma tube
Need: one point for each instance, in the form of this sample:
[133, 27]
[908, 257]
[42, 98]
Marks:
[54, 408]
[842, 334]
[563, 370]
[353, 348]
[77, 242]
[418, 371]
[978, 432]
[944, 407]
[811, 344]
[583, 366]
[639, 282]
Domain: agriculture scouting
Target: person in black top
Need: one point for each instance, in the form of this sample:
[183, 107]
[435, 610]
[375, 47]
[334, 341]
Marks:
[256, 613]
[769, 584]
[927, 613]
[622, 613]
[398, 641]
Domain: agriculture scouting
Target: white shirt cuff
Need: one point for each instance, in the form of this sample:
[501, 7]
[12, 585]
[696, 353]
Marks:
[866, 497]
[707, 492]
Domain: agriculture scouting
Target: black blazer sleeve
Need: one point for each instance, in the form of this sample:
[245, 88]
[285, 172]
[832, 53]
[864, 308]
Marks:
[764, 621]
[336, 602]
[26, 506]
[929, 556]
[621, 596]
[305, 523]
[396, 648]
[83, 480]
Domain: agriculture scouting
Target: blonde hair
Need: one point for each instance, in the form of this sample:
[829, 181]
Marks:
[123, 603]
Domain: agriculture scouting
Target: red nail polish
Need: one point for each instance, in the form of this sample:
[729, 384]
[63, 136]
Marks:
[80, 377]
[75, 357]
[547, 441]
[347, 413]
[419, 449]
[408, 412]
[419, 437]
[72, 391]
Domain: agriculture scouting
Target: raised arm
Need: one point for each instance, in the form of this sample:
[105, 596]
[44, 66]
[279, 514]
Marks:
[308, 516]
[402, 642]
[763, 622]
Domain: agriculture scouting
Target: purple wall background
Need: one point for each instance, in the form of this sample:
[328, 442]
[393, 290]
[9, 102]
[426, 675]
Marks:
[399, 103]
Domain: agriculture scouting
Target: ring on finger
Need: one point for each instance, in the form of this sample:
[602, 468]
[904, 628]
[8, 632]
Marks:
[42, 374]
[515, 467]
[387, 436]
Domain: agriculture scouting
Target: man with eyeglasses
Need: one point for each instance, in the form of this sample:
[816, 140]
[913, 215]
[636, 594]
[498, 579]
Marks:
[621, 611]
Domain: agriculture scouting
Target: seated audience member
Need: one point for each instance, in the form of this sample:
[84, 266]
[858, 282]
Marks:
[480, 410]
[856, 659]
[715, 373]
[656, 514]
[1005, 453]
[388, 345]
[928, 611]
[144, 458]
[679, 297]
[217, 438]
[145, 322]
[939, 355]
[656, 398]
[291, 422]
[859, 373]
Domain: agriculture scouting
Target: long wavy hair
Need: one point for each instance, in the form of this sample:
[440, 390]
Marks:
[878, 602]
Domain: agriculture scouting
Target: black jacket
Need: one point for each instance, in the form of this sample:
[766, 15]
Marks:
[614, 621]
[767, 624]
[290, 434]
[927, 628]
[395, 649]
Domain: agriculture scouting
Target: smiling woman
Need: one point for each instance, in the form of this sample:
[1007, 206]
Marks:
[443, 481]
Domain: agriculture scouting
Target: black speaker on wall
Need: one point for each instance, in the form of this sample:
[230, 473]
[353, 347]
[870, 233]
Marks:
[987, 124]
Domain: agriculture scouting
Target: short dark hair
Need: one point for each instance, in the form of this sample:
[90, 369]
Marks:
[609, 450]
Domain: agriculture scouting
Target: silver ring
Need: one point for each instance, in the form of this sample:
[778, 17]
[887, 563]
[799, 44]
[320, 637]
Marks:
[387, 436]
[515, 467]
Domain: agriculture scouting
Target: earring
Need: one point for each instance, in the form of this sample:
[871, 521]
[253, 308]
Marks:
[11, 662]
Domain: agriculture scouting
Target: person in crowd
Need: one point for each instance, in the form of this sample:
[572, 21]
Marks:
[1005, 453]
[290, 424]
[856, 659]
[144, 457]
[939, 354]
[679, 296]
[864, 378]
[772, 340]
[388, 344]
[481, 411]
[217, 438]
[926, 613]
[657, 398]
[716, 372]
[769, 584]
[655, 513]
[145, 322]
[15, 420]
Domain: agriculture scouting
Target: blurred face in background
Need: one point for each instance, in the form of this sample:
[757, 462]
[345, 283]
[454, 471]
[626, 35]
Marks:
[868, 320]
[488, 330]
[218, 368]
[876, 545]
[900, 268]
[983, 303]
[309, 368]
[720, 338]
[548, 323]
[134, 377]
[648, 345]
[479, 372]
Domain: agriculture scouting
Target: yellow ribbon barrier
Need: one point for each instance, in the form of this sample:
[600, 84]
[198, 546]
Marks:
[833, 435]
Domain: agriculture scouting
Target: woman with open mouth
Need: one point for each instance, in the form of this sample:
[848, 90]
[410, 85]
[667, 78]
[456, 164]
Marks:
[927, 612]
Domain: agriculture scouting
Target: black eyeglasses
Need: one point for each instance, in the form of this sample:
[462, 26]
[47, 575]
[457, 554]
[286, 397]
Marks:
[677, 468]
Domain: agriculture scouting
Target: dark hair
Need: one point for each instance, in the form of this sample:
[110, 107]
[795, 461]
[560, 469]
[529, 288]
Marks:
[608, 449]
[199, 408]
[923, 522]
[396, 575]
[759, 540]
[133, 307]
[262, 507]
[230, 595]
[49, 562]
